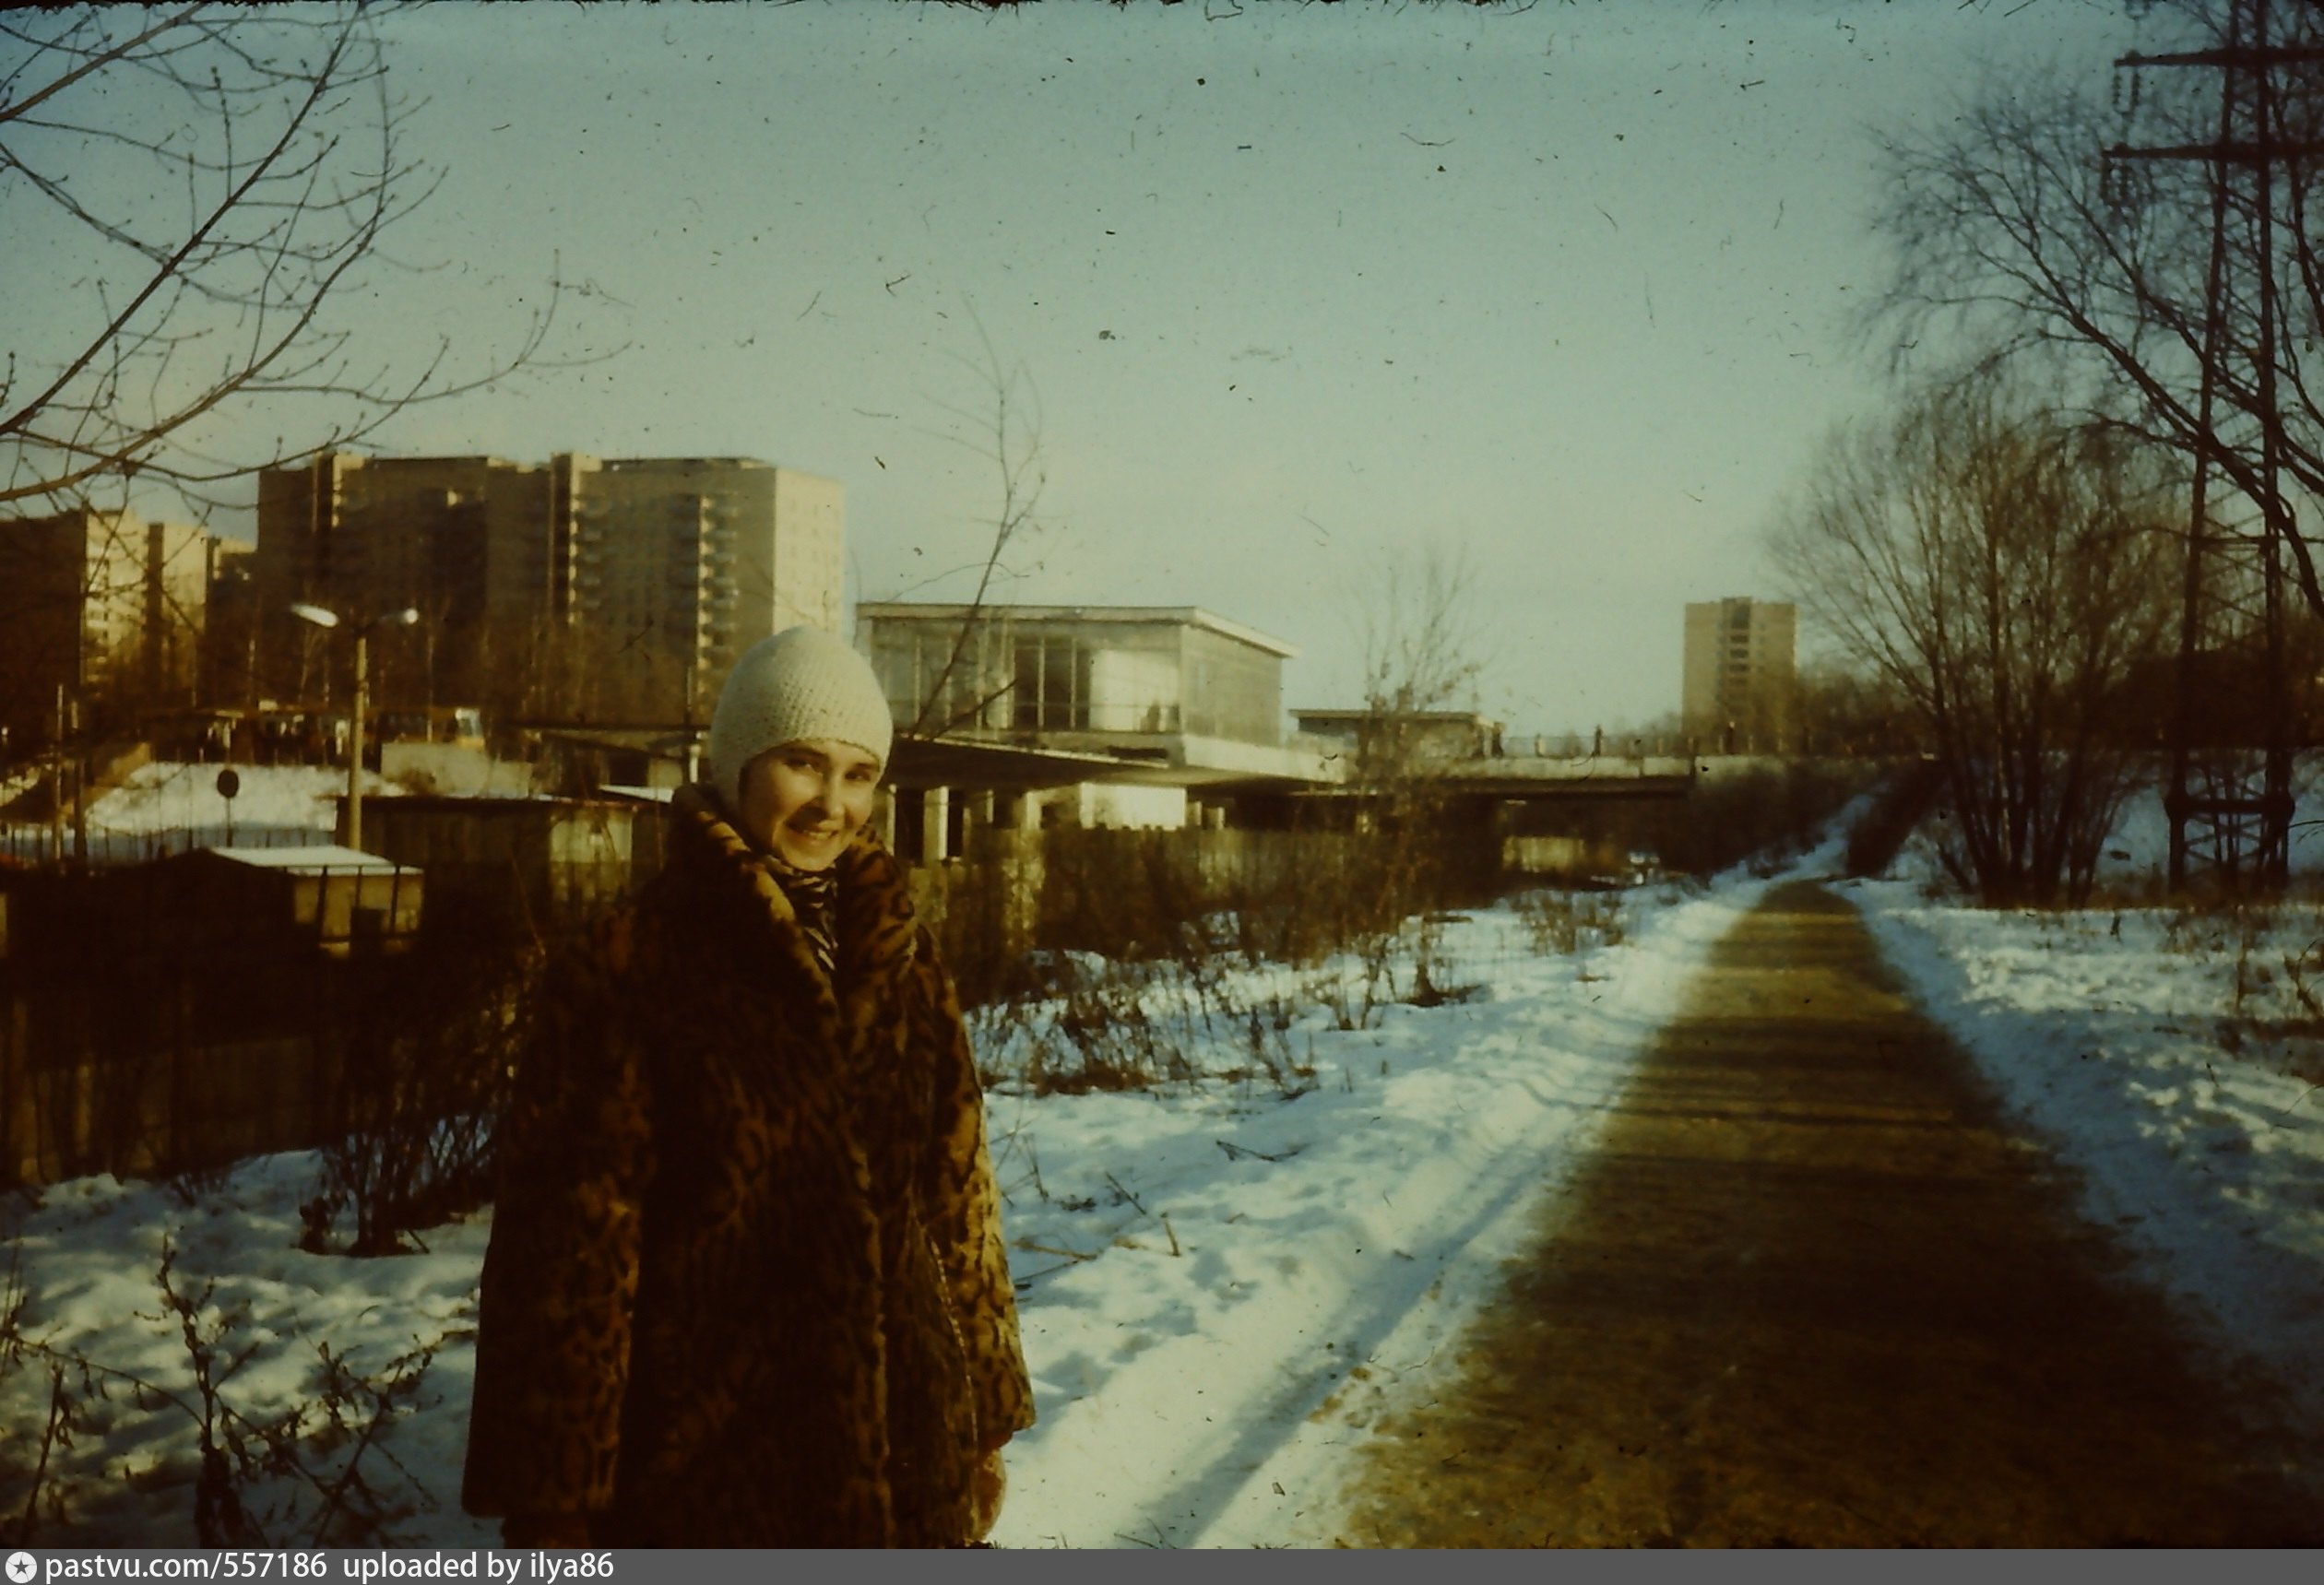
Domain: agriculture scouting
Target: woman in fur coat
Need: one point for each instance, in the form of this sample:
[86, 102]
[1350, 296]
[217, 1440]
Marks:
[746, 1286]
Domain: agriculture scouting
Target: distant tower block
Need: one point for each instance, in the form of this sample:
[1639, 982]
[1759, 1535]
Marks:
[1740, 666]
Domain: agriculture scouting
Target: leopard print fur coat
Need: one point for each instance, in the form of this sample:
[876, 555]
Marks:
[746, 1286]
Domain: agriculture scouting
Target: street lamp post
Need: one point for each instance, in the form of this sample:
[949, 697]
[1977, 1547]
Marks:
[322, 618]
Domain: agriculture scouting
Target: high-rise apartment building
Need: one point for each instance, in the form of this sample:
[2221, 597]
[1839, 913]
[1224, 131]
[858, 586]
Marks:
[586, 588]
[103, 605]
[1739, 669]
[684, 563]
[361, 535]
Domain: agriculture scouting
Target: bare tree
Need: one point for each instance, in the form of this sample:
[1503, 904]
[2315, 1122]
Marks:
[2005, 571]
[206, 182]
[2009, 219]
[1421, 665]
[1421, 645]
[1843, 711]
[1004, 433]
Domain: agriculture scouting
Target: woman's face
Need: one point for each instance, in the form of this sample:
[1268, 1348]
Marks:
[804, 801]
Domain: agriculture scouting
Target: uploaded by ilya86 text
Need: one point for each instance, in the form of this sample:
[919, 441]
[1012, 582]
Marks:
[535, 1567]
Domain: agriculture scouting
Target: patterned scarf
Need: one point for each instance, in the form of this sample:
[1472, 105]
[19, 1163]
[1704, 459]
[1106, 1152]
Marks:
[814, 897]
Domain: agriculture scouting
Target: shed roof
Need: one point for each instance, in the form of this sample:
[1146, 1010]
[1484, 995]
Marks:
[316, 860]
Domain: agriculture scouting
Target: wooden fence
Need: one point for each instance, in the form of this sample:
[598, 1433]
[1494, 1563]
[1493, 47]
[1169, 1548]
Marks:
[124, 1051]
[150, 1066]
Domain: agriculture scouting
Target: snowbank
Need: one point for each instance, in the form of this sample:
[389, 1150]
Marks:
[2191, 1115]
[168, 807]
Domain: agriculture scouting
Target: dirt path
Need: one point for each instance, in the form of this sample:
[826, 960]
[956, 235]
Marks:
[1811, 1292]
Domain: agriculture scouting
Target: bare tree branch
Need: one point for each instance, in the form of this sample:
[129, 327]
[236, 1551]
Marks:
[282, 135]
[2010, 221]
[1008, 436]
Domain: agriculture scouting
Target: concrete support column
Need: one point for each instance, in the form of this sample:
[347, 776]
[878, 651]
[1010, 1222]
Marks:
[883, 818]
[935, 820]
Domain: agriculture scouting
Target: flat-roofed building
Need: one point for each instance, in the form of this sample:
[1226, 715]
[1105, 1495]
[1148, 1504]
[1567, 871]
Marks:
[1185, 707]
[361, 536]
[690, 561]
[1077, 677]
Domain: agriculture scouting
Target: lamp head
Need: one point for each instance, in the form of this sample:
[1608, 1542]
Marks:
[315, 614]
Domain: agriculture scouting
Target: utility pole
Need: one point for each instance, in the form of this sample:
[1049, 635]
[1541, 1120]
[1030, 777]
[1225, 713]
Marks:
[355, 741]
[2230, 798]
[56, 784]
[322, 618]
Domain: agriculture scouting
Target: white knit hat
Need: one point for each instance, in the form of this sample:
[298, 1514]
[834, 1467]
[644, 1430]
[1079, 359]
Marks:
[803, 682]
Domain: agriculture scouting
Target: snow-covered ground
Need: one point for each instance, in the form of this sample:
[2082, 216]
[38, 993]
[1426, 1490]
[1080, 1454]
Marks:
[1222, 1280]
[1205, 1271]
[1200, 1267]
[168, 806]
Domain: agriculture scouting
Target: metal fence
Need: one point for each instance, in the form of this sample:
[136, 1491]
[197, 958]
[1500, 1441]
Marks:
[31, 845]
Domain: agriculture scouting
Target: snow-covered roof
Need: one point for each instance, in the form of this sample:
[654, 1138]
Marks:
[313, 861]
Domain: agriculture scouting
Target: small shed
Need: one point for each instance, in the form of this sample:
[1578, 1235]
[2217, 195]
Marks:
[578, 758]
[336, 898]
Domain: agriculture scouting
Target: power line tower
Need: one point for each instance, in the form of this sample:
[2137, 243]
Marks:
[2230, 797]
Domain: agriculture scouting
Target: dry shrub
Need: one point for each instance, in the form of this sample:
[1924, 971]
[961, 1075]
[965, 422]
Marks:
[304, 1474]
[426, 1079]
[1561, 923]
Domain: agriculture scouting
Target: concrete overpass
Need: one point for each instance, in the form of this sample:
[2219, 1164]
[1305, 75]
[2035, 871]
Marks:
[1520, 778]
[1525, 778]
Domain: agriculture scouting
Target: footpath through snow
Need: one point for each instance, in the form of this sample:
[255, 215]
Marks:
[2192, 1110]
[1204, 1274]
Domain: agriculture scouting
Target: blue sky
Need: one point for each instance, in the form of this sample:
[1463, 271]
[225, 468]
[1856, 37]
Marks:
[1301, 289]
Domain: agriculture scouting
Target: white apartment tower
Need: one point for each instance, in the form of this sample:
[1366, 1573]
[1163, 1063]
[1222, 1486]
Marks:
[684, 562]
[1740, 664]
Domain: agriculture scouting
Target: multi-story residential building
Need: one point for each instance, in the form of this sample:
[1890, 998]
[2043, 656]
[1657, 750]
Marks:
[361, 536]
[686, 562]
[1739, 670]
[229, 628]
[586, 588]
[103, 605]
